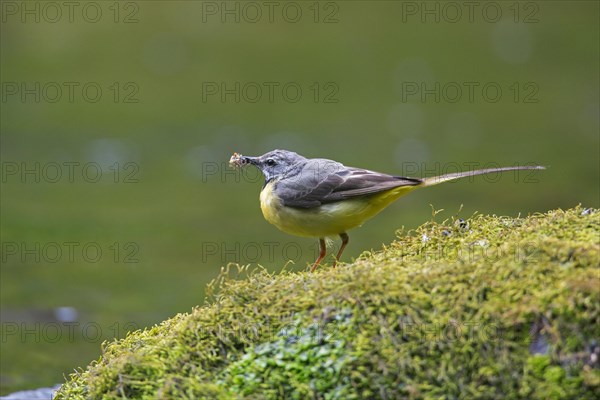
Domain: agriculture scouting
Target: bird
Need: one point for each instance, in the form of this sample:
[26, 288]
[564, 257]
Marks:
[322, 198]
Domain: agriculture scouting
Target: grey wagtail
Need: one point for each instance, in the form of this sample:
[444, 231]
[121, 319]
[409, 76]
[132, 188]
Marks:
[316, 197]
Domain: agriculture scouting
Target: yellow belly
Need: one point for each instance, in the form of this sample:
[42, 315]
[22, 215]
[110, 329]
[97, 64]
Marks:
[329, 219]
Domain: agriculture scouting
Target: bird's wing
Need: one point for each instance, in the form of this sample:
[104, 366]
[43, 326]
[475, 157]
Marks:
[324, 181]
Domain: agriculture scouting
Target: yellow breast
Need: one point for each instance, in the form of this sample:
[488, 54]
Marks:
[270, 204]
[328, 219]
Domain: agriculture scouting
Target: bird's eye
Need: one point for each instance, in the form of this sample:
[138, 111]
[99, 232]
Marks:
[271, 162]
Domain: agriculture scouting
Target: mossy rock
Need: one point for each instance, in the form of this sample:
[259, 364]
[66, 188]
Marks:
[492, 307]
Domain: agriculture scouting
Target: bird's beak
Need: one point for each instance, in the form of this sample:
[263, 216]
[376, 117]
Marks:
[238, 160]
[250, 160]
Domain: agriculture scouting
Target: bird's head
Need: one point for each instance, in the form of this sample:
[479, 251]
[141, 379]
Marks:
[273, 164]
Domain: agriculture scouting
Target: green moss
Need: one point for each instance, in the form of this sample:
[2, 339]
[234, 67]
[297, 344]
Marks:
[299, 363]
[492, 307]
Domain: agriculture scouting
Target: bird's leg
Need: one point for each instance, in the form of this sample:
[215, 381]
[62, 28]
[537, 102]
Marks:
[322, 253]
[345, 238]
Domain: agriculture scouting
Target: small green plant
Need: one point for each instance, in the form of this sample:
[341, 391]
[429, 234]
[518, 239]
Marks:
[301, 363]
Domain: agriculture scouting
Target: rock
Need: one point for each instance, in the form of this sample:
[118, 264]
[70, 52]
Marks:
[36, 394]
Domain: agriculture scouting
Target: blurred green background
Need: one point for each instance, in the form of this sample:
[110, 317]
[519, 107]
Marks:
[117, 203]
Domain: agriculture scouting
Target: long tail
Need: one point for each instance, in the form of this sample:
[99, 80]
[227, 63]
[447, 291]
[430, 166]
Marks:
[434, 180]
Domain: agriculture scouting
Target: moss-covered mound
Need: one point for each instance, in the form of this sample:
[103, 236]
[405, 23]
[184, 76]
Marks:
[491, 307]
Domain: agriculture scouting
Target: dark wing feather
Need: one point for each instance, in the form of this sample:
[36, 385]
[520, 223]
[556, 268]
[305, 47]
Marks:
[321, 183]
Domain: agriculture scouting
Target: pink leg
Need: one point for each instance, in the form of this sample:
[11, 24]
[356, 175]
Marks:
[345, 239]
[322, 252]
